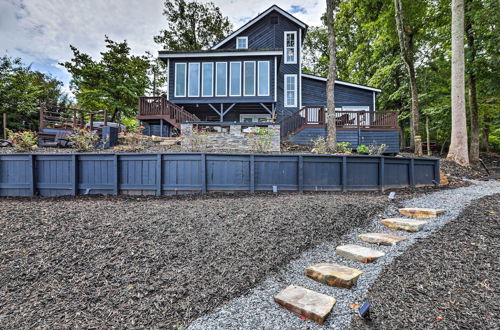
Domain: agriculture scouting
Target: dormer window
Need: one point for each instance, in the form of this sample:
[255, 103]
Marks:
[242, 43]
[290, 47]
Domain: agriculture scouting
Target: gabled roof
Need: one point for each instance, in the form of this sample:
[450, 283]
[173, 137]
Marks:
[258, 18]
[340, 82]
[219, 53]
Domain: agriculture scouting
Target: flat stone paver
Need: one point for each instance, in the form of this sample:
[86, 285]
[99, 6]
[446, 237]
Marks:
[334, 274]
[410, 225]
[312, 305]
[419, 212]
[358, 253]
[381, 238]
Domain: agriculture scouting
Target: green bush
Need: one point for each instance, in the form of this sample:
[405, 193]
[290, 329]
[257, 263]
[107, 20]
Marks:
[343, 147]
[23, 141]
[375, 149]
[261, 139]
[83, 139]
[362, 149]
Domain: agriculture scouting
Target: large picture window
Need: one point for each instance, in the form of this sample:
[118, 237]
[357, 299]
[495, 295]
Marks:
[194, 80]
[180, 80]
[235, 79]
[263, 78]
[290, 47]
[290, 90]
[207, 78]
[221, 79]
[249, 79]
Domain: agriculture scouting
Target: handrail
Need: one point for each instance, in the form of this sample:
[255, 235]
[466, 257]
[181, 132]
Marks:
[316, 116]
[160, 106]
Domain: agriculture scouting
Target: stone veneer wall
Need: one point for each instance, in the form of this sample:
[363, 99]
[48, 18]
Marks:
[235, 139]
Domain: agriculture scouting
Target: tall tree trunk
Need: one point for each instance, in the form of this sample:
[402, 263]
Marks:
[331, 5]
[405, 36]
[486, 133]
[473, 108]
[428, 136]
[458, 151]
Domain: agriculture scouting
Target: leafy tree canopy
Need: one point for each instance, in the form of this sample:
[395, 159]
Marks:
[192, 25]
[114, 82]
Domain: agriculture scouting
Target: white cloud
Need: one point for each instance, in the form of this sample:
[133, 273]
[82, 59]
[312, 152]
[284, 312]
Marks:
[40, 31]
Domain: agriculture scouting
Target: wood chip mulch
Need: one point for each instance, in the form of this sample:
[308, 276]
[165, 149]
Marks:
[450, 280]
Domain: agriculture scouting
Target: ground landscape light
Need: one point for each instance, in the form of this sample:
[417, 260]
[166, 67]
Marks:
[364, 310]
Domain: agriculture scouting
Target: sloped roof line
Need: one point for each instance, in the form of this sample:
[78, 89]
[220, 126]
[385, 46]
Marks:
[340, 82]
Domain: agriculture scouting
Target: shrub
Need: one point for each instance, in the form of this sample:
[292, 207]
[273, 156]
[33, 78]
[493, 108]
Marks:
[320, 145]
[261, 138]
[23, 141]
[83, 139]
[343, 147]
[375, 149]
[363, 149]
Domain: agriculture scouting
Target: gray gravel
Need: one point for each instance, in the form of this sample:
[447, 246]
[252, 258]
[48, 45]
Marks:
[258, 310]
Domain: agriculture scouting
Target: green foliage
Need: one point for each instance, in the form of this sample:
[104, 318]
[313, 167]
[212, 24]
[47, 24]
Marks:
[113, 83]
[23, 141]
[320, 145]
[22, 90]
[261, 138]
[84, 139]
[343, 147]
[192, 25]
[375, 149]
[362, 149]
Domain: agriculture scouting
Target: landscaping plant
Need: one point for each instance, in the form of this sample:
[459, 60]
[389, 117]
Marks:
[343, 147]
[362, 149]
[320, 145]
[83, 139]
[375, 149]
[261, 138]
[23, 141]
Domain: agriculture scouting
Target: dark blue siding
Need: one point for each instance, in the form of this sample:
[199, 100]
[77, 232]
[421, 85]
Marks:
[390, 138]
[314, 93]
[172, 173]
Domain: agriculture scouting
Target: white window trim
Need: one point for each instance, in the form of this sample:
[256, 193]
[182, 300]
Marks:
[294, 105]
[230, 76]
[216, 85]
[189, 80]
[254, 116]
[267, 76]
[175, 80]
[211, 81]
[294, 46]
[254, 79]
[242, 38]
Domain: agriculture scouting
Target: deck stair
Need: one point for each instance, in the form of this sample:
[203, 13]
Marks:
[158, 107]
[317, 306]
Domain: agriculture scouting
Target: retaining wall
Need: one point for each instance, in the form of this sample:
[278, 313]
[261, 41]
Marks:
[173, 173]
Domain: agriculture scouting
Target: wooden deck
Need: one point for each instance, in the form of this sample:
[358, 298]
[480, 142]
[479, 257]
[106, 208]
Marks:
[158, 107]
[315, 116]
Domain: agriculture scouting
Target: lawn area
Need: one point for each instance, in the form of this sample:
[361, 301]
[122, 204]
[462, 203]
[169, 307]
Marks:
[154, 262]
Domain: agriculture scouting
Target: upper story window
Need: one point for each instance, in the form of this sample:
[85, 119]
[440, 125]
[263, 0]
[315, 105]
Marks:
[249, 78]
[290, 90]
[194, 80]
[242, 43]
[221, 79]
[235, 79]
[263, 78]
[180, 80]
[207, 78]
[290, 47]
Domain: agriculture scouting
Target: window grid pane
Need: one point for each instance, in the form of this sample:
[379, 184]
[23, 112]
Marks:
[180, 79]
[194, 79]
[221, 79]
[249, 78]
[290, 90]
[235, 79]
[263, 78]
[207, 79]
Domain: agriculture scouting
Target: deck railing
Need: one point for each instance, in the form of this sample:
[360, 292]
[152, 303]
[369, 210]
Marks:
[160, 106]
[316, 116]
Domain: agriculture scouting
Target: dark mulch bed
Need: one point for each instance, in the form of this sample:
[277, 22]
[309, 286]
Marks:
[115, 262]
[450, 280]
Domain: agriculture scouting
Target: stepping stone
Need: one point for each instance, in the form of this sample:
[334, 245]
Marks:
[334, 274]
[410, 225]
[358, 253]
[381, 238]
[418, 212]
[310, 304]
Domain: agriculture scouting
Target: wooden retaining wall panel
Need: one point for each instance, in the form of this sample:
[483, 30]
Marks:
[53, 175]
[15, 175]
[137, 172]
[95, 174]
[362, 173]
[396, 172]
[322, 173]
[181, 173]
[227, 173]
[425, 173]
[280, 171]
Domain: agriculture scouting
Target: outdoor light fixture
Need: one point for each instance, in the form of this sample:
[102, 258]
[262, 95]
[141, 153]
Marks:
[364, 310]
[392, 194]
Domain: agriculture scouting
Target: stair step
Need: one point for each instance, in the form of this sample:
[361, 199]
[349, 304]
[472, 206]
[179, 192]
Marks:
[334, 274]
[418, 212]
[358, 253]
[381, 238]
[410, 225]
[310, 304]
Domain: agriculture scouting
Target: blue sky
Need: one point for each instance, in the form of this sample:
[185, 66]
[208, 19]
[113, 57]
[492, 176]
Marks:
[40, 31]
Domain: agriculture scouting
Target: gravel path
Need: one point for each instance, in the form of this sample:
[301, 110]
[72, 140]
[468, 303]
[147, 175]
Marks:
[257, 309]
[123, 262]
[450, 280]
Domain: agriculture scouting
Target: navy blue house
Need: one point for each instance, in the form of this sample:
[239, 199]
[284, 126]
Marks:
[254, 75]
